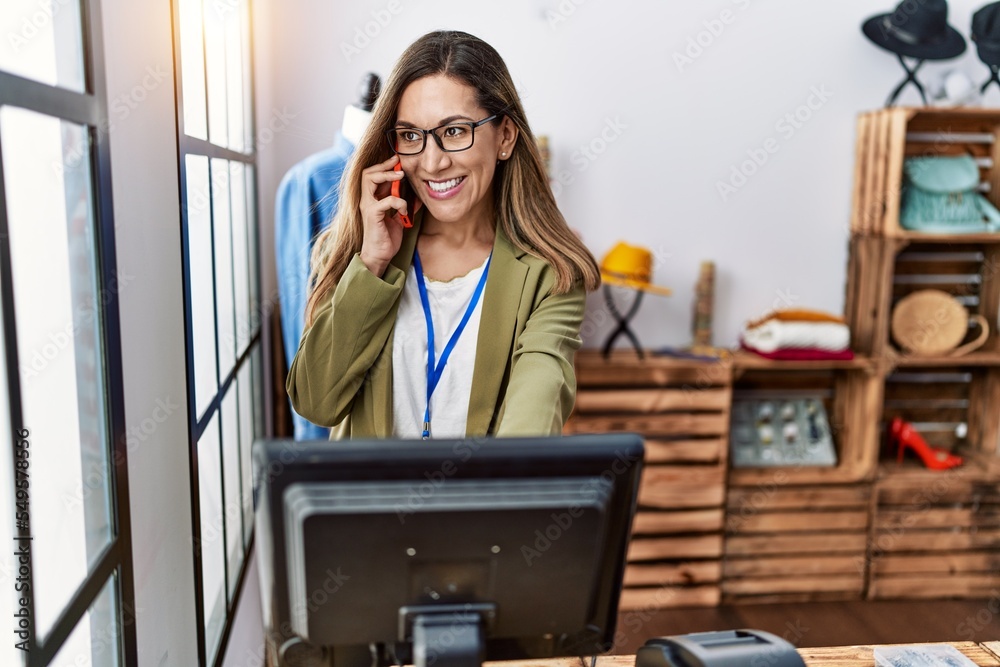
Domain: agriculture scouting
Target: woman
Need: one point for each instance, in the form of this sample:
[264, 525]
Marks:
[489, 269]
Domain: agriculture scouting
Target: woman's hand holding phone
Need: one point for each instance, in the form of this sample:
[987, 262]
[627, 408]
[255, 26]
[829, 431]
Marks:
[383, 213]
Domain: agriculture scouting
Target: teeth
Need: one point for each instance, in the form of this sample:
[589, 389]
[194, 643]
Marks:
[444, 185]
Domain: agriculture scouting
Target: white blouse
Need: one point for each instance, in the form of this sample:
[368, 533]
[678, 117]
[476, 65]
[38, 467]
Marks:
[450, 402]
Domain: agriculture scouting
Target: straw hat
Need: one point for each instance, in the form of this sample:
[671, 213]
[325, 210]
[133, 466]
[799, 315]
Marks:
[630, 266]
[934, 322]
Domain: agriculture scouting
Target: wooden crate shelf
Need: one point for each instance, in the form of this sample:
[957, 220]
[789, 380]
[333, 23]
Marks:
[853, 399]
[787, 543]
[932, 534]
[937, 399]
[867, 527]
[681, 408]
[935, 535]
[885, 138]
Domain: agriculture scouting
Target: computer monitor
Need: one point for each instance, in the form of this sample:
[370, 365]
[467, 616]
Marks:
[444, 552]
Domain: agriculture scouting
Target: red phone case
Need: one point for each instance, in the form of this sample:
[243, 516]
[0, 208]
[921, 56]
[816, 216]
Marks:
[396, 186]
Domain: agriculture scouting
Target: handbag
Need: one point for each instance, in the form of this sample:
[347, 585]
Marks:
[940, 195]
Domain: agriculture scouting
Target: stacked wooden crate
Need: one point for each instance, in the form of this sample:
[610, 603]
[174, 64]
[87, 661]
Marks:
[681, 408]
[788, 543]
[799, 532]
[933, 534]
[936, 538]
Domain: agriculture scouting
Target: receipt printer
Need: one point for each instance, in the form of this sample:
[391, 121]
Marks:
[732, 648]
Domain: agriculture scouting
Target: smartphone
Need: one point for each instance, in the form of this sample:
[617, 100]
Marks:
[400, 186]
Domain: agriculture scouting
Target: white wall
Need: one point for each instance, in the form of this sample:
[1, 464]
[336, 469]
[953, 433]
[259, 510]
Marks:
[581, 64]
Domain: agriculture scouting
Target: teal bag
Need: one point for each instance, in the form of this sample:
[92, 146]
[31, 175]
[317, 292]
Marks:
[940, 195]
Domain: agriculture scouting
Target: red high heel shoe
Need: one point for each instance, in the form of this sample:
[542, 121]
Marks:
[903, 435]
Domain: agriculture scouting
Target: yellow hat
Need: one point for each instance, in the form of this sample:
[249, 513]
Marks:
[630, 266]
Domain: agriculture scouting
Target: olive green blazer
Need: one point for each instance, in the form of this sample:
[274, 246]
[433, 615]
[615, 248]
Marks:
[523, 382]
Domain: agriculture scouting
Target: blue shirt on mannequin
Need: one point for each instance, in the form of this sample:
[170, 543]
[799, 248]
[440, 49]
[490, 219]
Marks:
[304, 206]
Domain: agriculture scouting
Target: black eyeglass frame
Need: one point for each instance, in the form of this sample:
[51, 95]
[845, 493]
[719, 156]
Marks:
[390, 135]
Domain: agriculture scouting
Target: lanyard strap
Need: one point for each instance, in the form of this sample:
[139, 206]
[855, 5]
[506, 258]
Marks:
[435, 370]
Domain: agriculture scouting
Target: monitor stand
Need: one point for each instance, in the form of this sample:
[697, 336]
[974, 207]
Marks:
[447, 635]
[445, 641]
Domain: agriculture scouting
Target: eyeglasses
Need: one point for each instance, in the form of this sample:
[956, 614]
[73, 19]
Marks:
[450, 138]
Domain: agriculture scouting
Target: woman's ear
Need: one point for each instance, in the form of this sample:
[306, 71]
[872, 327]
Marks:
[508, 137]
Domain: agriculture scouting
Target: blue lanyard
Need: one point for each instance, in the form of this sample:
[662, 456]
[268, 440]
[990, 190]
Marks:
[434, 371]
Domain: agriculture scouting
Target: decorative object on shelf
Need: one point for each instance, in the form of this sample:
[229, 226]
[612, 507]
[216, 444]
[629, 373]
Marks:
[631, 267]
[917, 30]
[932, 322]
[543, 149]
[986, 35]
[780, 430]
[701, 348]
[798, 334]
[902, 435]
[704, 292]
[940, 194]
[955, 89]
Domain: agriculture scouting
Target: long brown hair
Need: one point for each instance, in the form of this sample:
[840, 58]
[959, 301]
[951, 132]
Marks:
[526, 208]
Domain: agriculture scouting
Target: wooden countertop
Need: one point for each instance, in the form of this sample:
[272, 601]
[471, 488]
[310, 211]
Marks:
[986, 654]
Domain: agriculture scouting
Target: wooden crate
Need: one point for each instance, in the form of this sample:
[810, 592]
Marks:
[887, 136]
[852, 401]
[787, 543]
[681, 408]
[935, 534]
[868, 296]
[969, 272]
[936, 399]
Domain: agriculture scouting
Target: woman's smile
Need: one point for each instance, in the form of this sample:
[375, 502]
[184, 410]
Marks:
[445, 189]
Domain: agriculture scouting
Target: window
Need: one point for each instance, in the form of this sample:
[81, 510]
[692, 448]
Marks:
[218, 202]
[67, 583]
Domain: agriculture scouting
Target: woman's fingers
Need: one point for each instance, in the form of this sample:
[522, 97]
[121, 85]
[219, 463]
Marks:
[376, 175]
[391, 205]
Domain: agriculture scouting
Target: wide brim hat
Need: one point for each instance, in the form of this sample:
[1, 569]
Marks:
[631, 266]
[986, 33]
[916, 30]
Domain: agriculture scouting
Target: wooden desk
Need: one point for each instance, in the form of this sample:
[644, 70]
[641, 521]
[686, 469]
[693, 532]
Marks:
[986, 654]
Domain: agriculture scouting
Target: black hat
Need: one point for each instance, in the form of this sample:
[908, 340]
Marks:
[986, 33]
[917, 29]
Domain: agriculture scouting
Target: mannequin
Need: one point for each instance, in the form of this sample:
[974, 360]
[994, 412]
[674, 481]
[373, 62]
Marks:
[305, 203]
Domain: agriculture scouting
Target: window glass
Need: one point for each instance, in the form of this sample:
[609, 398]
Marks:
[199, 231]
[43, 41]
[211, 544]
[57, 305]
[223, 235]
[96, 639]
[193, 69]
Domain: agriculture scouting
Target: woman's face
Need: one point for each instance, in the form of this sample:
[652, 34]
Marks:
[452, 185]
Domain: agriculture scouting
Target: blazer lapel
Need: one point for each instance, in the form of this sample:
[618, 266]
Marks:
[501, 301]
